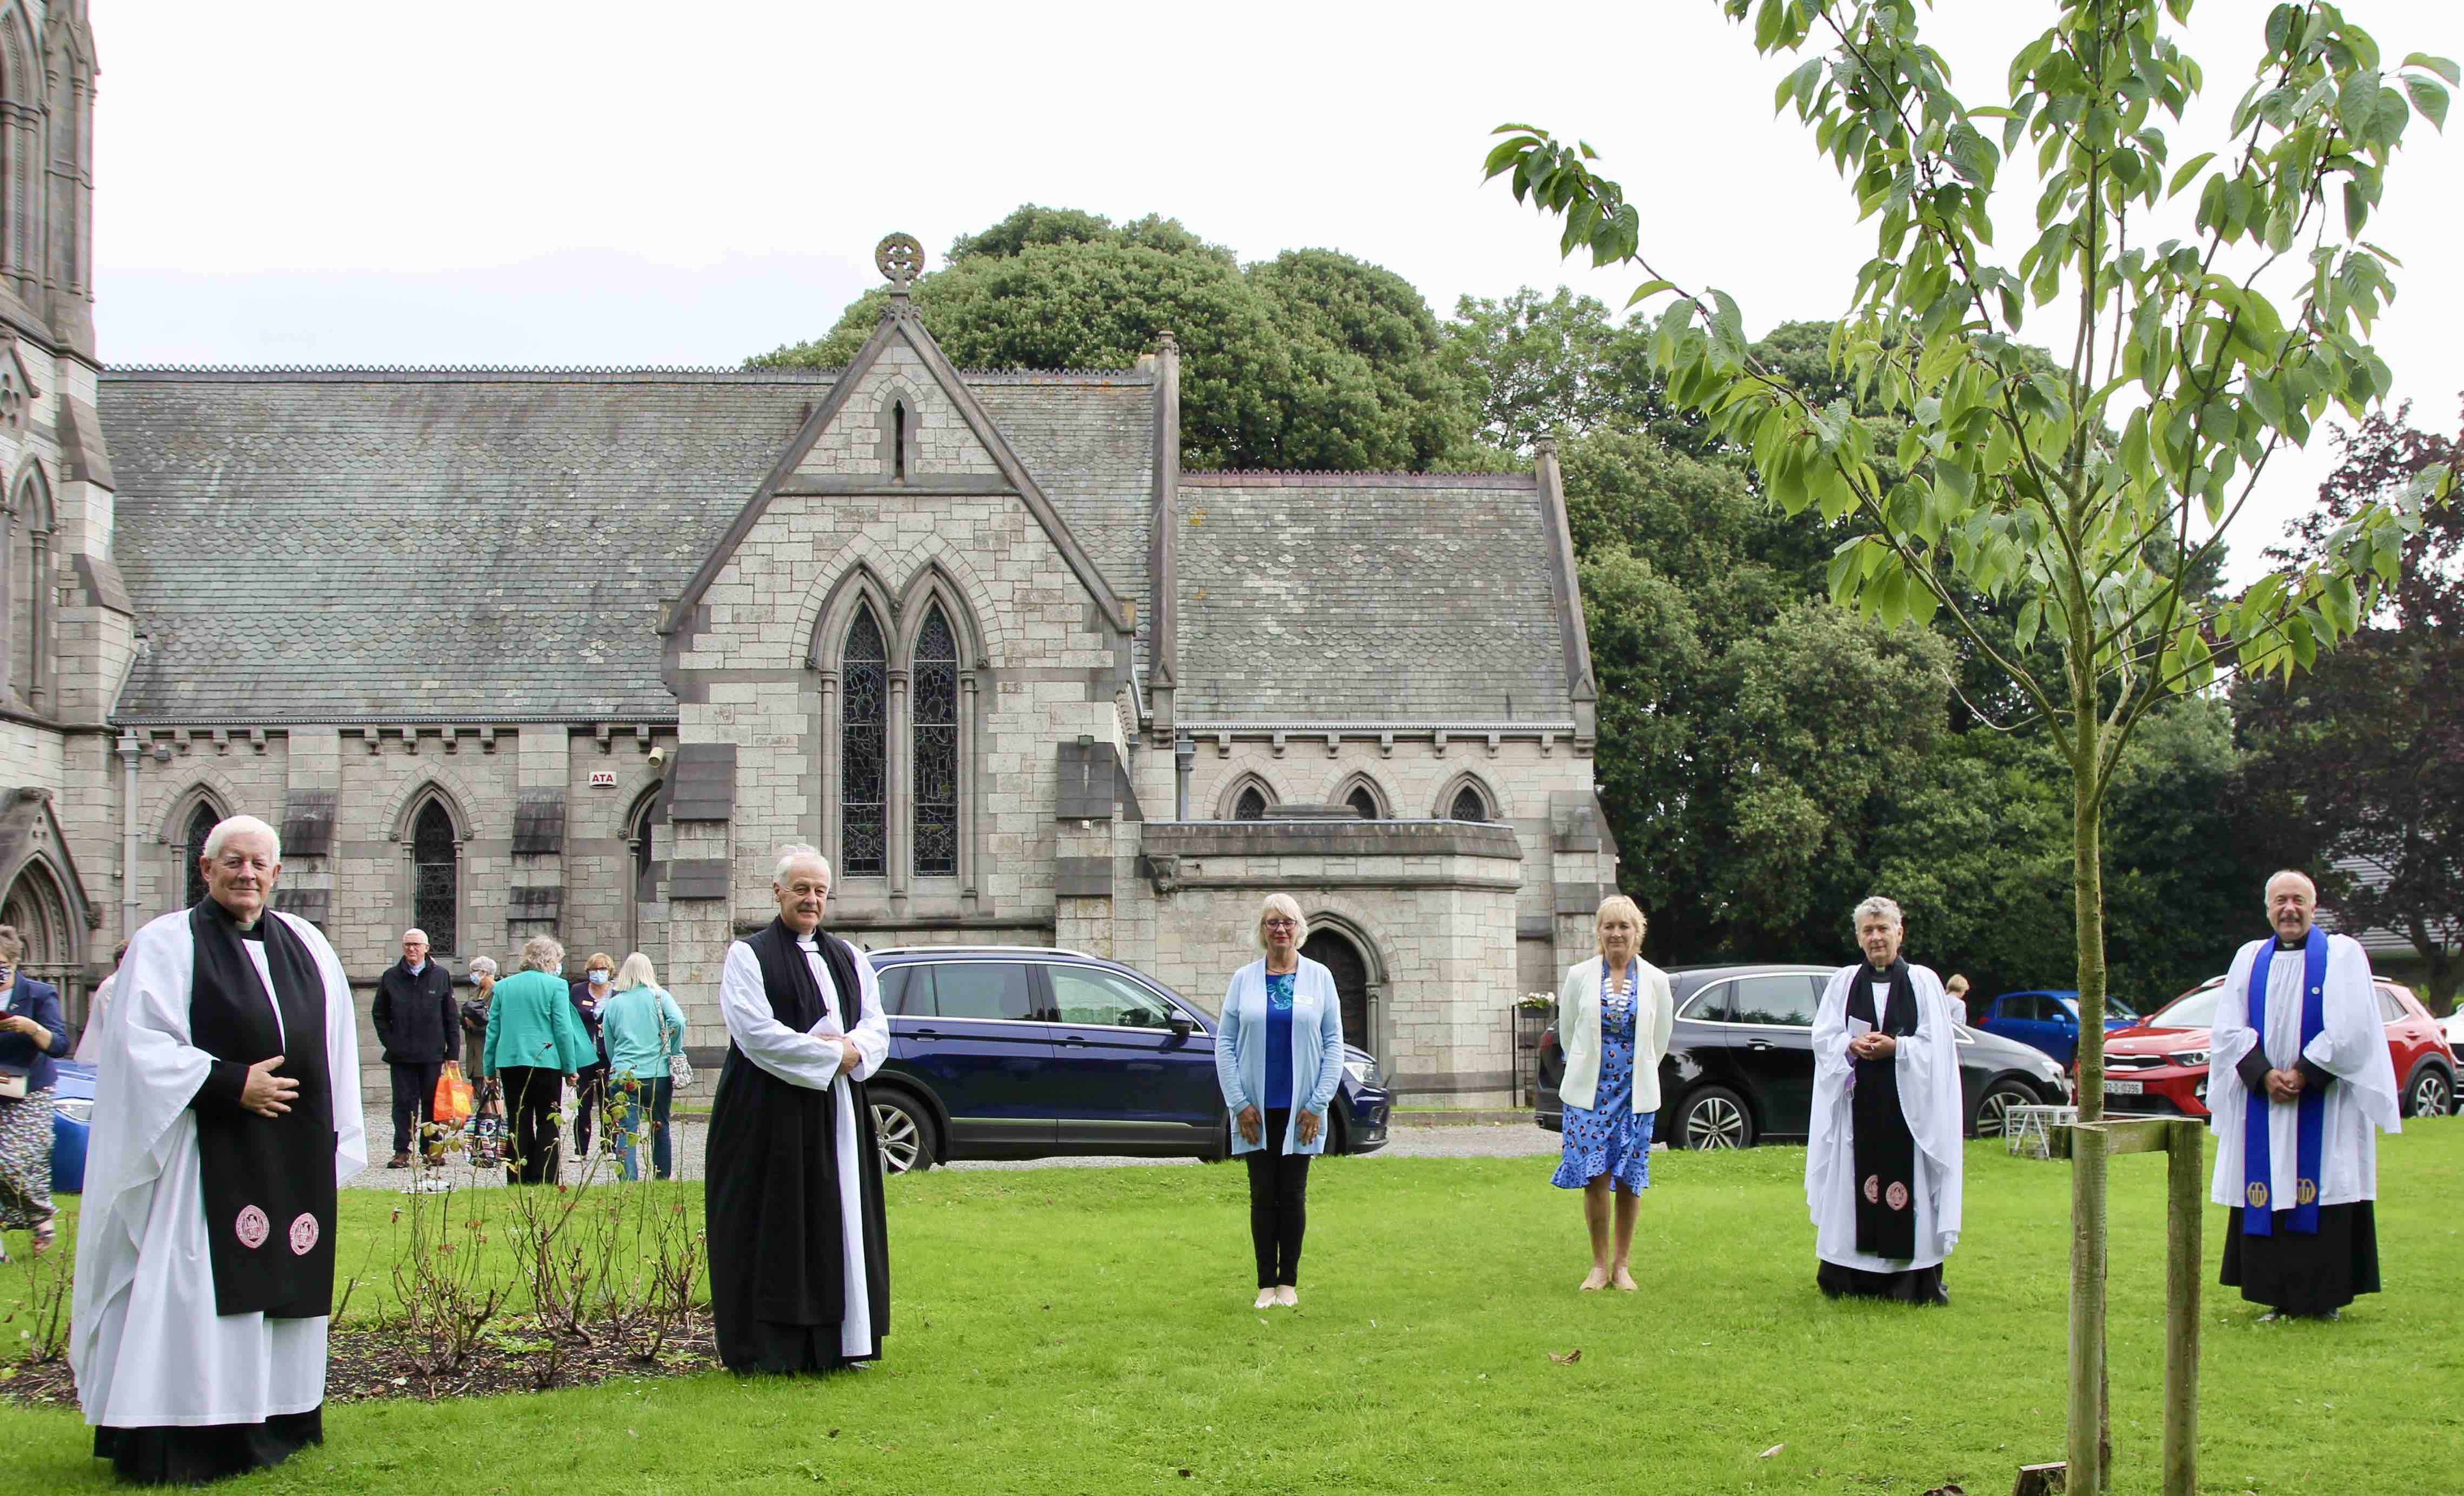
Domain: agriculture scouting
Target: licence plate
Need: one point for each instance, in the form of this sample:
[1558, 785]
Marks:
[2125, 1088]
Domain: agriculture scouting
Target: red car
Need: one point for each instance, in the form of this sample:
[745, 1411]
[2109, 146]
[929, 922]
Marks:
[2159, 1067]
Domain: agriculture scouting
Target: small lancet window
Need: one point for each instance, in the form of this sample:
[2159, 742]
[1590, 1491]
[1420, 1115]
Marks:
[898, 441]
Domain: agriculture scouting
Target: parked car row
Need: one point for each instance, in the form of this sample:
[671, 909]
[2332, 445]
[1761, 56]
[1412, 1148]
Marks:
[2159, 1066]
[2047, 1018]
[1030, 1052]
[1740, 1061]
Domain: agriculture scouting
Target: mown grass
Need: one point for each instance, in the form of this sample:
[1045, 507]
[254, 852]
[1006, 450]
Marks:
[1064, 1331]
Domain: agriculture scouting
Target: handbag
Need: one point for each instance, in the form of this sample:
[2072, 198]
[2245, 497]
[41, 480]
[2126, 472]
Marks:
[680, 1070]
[452, 1103]
[12, 1085]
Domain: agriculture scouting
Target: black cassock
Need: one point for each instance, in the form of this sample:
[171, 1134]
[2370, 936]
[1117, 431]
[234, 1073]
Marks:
[776, 1194]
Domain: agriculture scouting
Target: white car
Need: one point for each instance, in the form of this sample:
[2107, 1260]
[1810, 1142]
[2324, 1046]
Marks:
[2453, 1026]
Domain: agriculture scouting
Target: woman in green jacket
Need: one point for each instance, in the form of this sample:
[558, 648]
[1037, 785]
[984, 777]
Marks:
[535, 1046]
[645, 1031]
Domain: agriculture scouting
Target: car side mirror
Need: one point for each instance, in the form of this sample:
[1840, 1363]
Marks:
[1182, 1026]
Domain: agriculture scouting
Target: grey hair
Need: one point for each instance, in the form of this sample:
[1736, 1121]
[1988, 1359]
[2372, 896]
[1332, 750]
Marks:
[1281, 903]
[539, 952]
[240, 826]
[793, 854]
[483, 964]
[414, 933]
[1877, 908]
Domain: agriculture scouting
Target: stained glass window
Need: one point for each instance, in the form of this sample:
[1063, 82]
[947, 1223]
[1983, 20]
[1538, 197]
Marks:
[437, 876]
[1469, 806]
[864, 717]
[1251, 805]
[935, 718]
[1362, 800]
[192, 849]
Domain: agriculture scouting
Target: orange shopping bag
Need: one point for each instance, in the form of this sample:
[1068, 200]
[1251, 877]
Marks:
[452, 1105]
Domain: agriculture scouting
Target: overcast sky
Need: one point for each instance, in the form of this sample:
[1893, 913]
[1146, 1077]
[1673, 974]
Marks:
[552, 182]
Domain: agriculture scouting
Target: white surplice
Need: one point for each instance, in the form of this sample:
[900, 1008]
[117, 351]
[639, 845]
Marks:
[2351, 1046]
[1927, 1061]
[145, 1342]
[811, 1060]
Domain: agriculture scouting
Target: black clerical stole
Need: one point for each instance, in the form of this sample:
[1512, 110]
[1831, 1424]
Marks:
[268, 1182]
[1886, 1149]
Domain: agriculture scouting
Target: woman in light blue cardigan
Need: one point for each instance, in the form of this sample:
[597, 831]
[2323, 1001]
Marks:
[1279, 1058]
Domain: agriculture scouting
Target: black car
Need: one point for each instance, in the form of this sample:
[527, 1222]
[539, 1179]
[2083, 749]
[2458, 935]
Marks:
[1740, 1061]
[1029, 1052]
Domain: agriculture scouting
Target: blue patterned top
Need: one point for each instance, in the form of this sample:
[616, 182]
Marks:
[1278, 1039]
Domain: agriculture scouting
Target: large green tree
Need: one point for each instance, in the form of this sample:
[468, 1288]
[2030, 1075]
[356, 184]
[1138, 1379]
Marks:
[2364, 758]
[1311, 360]
[2090, 494]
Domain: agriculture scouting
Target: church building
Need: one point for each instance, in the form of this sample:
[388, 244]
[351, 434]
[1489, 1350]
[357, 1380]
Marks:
[513, 651]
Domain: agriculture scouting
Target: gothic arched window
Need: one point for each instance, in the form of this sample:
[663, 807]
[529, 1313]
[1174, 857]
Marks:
[1469, 805]
[436, 875]
[936, 745]
[1251, 805]
[29, 533]
[864, 744]
[1361, 799]
[192, 849]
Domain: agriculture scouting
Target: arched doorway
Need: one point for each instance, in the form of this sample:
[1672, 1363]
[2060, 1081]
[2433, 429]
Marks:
[39, 912]
[1334, 950]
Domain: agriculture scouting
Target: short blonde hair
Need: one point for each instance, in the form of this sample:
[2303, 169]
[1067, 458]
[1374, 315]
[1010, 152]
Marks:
[600, 958]
[636, 973]
[541, 952]
[13, 945]
[1620, 904]
[1281, 903]
[1957, 983]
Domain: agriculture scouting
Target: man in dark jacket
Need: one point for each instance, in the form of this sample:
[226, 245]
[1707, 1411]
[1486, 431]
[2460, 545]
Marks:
[418, 1024]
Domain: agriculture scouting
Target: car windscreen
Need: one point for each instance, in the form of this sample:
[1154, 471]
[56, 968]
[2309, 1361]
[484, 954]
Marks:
[2194, 1010]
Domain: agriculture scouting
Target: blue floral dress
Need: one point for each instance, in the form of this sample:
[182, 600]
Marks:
[1609, 1136]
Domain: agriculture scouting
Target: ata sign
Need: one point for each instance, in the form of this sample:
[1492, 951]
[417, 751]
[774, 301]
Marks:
[602, 779]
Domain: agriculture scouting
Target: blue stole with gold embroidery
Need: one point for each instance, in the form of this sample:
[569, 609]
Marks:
[2258, 1166]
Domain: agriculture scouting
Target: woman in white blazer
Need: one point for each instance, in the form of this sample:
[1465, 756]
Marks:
[1612, 1019]
[1279, 1058]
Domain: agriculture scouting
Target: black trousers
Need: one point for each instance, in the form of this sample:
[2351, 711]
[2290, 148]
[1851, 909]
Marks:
[1277, 1205]
[414, 1093]
[590, 1089]
[531, 1095]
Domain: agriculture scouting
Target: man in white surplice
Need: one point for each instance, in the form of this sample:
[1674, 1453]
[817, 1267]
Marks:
[1882, 1158]
[177, 1390]
[792, 1156]
[2308, 1263]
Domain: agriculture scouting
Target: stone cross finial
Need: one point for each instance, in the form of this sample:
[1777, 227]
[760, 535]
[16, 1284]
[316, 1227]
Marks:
[900, 260]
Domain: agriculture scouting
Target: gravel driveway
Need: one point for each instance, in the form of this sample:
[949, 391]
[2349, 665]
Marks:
[1482, 1140]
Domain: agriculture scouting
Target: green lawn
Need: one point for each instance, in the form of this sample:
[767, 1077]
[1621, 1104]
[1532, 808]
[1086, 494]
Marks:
[1091, 1330]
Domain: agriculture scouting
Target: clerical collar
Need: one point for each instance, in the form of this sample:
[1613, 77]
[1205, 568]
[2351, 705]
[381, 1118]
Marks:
[2283, 944]
[255, 932]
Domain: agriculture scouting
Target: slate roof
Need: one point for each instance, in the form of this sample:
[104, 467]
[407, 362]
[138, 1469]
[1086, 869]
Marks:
[1366, 598]
[335, 545]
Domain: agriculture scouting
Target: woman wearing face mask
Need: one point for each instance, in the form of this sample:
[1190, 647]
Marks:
[1613, 1018]
[536, 1044]
[590, 997]
[1279, 1058]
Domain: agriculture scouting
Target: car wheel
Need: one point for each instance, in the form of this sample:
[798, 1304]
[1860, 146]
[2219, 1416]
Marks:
[1338, 1132]
[1993, 1109]
[904, 1130]
[1715, 1118]
[2431, 1093]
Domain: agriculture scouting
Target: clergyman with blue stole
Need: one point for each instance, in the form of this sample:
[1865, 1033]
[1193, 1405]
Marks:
[2299, 1073]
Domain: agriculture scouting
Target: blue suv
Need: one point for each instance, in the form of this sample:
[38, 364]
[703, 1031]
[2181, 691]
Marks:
[1030, 1052]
